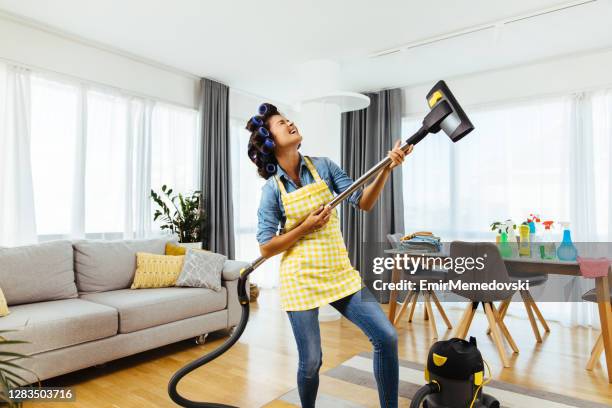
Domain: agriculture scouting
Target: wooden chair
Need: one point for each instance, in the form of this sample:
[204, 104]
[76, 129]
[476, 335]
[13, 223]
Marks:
[494, 270]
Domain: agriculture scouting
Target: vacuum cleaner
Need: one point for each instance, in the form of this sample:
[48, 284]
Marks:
[445, 114]
[455, 377]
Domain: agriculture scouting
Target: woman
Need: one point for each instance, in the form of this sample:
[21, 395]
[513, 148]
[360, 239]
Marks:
[315, 269]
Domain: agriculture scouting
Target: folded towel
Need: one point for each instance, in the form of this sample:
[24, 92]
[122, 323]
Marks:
[422, 243]
[594, 267]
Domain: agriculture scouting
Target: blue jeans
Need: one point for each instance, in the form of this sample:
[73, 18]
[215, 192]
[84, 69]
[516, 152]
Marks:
[369, 317]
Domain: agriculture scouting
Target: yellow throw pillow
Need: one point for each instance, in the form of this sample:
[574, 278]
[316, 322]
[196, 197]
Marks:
[3, 306]
[175, 250]
[156, 271]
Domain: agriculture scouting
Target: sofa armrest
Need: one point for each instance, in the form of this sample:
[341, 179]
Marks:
[231, 269]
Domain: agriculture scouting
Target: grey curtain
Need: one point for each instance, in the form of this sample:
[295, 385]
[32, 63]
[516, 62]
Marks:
[218, 225]
[367, 136]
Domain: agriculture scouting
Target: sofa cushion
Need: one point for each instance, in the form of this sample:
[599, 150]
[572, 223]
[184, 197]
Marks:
[202, 269]
[156, 271]
[144, 308]
[101, 266]
[59, 323]
[4, 310]
[37, 273]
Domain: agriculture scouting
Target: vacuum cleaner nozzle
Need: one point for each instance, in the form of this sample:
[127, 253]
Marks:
[456, 125]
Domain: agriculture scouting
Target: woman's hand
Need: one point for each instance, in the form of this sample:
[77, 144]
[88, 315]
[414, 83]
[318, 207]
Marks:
[316, 219]
[397, 155]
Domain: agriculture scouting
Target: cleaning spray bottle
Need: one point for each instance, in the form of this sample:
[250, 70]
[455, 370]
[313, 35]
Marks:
[534, 238]
[547, 247]
[566, 251]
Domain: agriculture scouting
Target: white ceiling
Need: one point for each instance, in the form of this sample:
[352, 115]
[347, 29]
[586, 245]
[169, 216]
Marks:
[256, 46]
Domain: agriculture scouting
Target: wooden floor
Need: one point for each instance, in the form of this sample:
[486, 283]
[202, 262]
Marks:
[262, 366]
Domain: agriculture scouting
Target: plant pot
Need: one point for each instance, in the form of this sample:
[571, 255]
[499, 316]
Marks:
[190, 245]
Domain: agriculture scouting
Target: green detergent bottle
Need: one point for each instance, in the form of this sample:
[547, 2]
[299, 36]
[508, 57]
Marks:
[505, 249]
[566, 251]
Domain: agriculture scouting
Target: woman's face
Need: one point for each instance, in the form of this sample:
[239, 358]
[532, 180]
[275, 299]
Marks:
[284, 131]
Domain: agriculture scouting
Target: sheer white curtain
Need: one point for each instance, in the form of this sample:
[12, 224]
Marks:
[17, 213]
[79, 161]
[548, 156]
[57, 137]
[246, 185]
[175, 149]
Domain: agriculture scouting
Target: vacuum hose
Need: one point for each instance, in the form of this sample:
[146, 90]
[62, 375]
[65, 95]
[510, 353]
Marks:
[423, 392]
[244, 318]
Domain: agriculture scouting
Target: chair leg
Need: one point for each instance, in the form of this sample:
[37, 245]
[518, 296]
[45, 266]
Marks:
[413, 306]
[596, 353]
[536, 309]
[534, 326]
[503, 308]
[441, 310]
[504, 329]
[466, 320]
[403, 307]
[432, 320]
[496, 334]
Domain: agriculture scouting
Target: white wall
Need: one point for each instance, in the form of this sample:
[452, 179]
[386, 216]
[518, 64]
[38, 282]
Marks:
[553, 77]
[38, 48]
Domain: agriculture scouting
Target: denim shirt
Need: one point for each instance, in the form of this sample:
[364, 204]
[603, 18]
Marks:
[271, 213]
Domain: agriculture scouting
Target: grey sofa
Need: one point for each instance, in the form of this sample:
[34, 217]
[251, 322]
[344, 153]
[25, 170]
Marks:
[71, 302]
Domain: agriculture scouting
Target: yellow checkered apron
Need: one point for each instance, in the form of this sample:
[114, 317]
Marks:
[316, 270]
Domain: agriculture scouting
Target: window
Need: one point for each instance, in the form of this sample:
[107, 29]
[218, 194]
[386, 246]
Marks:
[96, 153]
[54, 138]
[514, 163]
[106, 162]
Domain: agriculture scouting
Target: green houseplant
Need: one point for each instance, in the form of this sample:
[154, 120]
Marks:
[8, 367]
[182, 215]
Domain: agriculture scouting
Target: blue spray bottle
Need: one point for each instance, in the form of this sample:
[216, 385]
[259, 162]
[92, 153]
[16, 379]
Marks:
[566, 251]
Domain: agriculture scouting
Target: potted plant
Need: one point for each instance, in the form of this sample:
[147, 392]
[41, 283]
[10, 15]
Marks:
[182, 215]
[8, 367]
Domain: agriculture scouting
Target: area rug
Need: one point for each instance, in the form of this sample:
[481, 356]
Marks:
[352, 385]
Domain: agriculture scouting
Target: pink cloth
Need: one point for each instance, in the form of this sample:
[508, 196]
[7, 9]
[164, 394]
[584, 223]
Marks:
[594, 267]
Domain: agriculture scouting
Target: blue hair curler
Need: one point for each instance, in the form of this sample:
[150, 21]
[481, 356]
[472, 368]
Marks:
[271, 168]
[263, 109]
[268, 146]
[257, 121]
[263, 131]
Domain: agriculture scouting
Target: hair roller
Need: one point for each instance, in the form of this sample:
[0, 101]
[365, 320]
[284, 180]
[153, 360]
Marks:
[263, 131]
[257, 121]
[263, 109]
[268, 146]
[271, 168]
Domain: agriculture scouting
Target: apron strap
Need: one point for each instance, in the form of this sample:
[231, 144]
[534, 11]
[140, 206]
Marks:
[312, 168]
[280, 186]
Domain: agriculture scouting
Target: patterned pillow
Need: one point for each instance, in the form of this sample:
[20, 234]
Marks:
[3, 307]
[156, 271]
[202, 269]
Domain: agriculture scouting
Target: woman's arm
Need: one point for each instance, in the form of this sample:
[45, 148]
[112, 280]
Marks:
[280, 243]
[373, 190]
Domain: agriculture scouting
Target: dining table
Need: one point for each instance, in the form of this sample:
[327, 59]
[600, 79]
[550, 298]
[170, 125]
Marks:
[527, 265]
